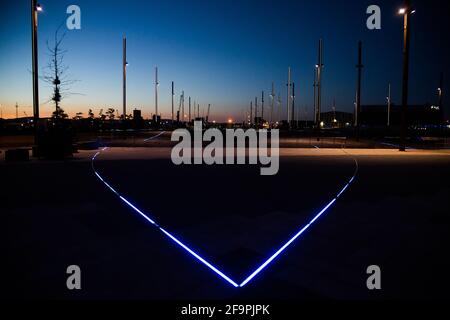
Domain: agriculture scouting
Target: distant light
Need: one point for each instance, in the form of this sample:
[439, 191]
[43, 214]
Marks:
[322, 124]
[214, 121]
[414, 11]
[230, 120]
[317, 65]
[402, 11]
[39, 8]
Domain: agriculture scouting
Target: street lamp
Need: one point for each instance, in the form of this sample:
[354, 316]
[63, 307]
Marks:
[35, 9]
[406, 11]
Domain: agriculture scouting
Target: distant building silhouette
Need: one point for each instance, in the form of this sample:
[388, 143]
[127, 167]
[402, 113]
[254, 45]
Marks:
[137, 115]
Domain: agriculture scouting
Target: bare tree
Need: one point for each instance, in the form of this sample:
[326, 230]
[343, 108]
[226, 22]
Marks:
[56, 74]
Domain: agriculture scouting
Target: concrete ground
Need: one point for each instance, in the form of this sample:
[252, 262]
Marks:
[394, 214]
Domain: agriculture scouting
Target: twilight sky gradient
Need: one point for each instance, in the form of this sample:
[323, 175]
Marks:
[223, 52]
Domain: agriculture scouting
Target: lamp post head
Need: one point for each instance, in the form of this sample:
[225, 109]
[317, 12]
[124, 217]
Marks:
[404, 10]
[39, 8]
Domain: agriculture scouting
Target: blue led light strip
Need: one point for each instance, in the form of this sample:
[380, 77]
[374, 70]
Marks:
[181, 244]
[288, 243]
[205, 262]
[154, 137]
[220, 273]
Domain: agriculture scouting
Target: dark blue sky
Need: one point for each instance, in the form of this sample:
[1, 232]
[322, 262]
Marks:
[224, 52]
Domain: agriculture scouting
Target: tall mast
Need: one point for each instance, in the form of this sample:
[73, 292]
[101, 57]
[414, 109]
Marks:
[256, 110]
[251, 112]
[272, 101]
[293, 103]
[389, 106]
[173, 93]
[189, 109]
[183, 118]
[288, 103]
[319, 83]
[124, 69]
[279, 107]
[262, 106]
[156, 94]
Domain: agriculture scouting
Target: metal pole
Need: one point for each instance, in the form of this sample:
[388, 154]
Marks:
[124, 67]
[173, 93]
[293, 104]
[262, 106]
[406, 38]
[256, 110]
[189, 109]
[279, 108]
[182, 108]
[251, 112]
[359, 66]
[156, 94]
[272, 101]
[207, 114]
[35, 73]
[315, 94]
[289, 96]
[319, 82]
[441, 88]
[389, 106]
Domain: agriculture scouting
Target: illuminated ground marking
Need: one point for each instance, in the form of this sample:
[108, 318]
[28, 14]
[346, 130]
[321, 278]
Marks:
[203, 260]
[154, 137]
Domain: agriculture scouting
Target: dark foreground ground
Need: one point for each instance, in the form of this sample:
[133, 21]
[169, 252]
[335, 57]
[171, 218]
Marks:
[394, 215]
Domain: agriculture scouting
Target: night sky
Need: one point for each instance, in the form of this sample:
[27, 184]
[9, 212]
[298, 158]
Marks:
[223, 52]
